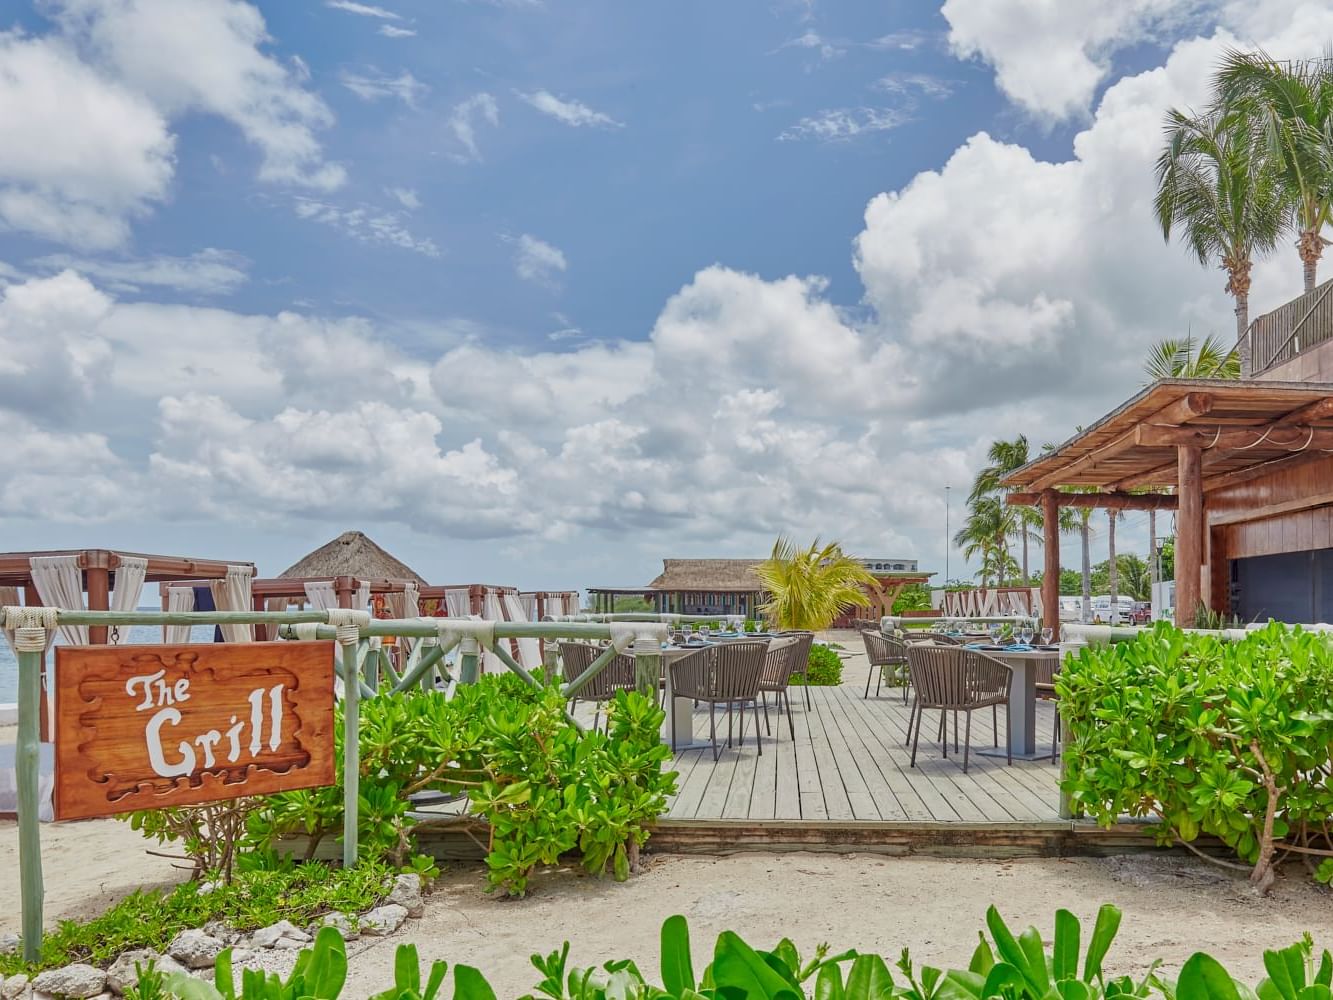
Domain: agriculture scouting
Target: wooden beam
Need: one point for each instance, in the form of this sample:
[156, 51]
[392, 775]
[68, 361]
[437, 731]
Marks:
[99, 596]
[1050, 576]
[1237, 476]
[1189, 407]
[1311, 413]
[1099, 501]
[1292, 437]
[1189, 534]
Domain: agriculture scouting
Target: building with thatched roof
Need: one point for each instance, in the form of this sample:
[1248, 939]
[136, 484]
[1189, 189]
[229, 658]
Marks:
[354, 554]
[733, 587]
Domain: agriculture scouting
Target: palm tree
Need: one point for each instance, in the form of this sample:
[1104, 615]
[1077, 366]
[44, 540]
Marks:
[986, 532]
[808, 588]
[1083, 524]
[1004, 458]
[1112, 570]
[1177, 357]
[1223, 199]
[1289, 106]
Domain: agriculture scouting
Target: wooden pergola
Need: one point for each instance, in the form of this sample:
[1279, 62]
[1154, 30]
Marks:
[1192, 447]
[99, 567]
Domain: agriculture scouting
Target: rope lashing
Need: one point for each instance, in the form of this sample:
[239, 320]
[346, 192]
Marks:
[623, 634]
[349, 622]
[31, 627]
[305, 631]
[469, 630]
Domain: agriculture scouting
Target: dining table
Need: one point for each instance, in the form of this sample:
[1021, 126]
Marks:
[1023, 662]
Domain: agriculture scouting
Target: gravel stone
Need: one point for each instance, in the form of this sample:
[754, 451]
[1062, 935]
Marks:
[195, 949]
[342, 923]
[14, 985]
[268, 937]
[407, 894]
[121, 975]
[383, 920]
[77, 980]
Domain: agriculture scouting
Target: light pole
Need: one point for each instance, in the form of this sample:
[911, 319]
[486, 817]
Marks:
[946, 537]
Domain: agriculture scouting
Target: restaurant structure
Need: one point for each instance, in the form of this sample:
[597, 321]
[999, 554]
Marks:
[1245, 467]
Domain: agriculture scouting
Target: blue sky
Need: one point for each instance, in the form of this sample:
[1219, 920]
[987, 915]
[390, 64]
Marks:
[540, 292]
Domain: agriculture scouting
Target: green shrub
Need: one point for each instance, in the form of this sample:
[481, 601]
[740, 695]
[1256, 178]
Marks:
[1232, 739]
[150, 919]
[544, 787]
[824, 668]
[1004, 965]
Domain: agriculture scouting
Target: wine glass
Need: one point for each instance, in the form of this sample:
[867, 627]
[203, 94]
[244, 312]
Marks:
[994, 629]
[1047, 634]
[1025, 633]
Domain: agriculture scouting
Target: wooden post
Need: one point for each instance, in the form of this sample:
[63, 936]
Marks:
[1050, 576]
[343, 586]
[261, 631]
[27, 772]
[1189, 533]
[99, 599]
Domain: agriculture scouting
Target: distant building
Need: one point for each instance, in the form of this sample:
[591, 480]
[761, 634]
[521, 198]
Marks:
[732, 587]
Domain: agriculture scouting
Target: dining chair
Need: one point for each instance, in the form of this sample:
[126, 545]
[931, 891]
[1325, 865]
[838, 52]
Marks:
[1044, 671]
[885, 651]
[779, 665]
[954, 679]
[616, 676]
[804, 641]
[729, 675]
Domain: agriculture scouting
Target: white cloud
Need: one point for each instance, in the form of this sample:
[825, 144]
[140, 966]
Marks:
[841, 124]
[208, 56]
[463, 124]
[367, 224]
[393, 31]
[913, 85]
[362, 9]
[404, 87]
[208, 272]
[538, 261]
[407, 197]
[815, 42]
[1050, 57]
[81, 155]
[572, 113]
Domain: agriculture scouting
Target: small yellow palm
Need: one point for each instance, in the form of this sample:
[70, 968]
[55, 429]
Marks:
[809, 588]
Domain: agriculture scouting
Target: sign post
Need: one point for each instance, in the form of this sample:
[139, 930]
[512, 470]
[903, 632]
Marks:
[26, 771]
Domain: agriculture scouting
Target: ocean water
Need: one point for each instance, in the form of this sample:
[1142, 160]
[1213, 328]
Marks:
[9, 668]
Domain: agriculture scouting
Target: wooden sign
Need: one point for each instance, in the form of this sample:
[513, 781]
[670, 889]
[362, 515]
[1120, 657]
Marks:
[145, 727]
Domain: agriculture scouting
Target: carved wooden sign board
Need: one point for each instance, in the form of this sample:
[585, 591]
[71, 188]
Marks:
[146, 727]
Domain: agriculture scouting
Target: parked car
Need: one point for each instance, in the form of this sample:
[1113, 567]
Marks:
[1142, 612]
[1102, 613]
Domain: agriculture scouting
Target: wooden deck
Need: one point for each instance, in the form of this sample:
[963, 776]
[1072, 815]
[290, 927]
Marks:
[848, 764]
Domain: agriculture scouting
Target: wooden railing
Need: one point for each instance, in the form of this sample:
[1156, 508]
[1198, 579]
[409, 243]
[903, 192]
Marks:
[1288, 330]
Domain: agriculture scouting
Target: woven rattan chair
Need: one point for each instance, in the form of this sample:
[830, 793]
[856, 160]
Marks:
[1044, 672]
[885, 651]
[618, 675]
[953, 679]
[779, 665]
[726, 674]
[804, 640]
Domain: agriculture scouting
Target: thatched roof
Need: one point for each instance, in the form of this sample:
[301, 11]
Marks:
[352, 554]
[736, 575]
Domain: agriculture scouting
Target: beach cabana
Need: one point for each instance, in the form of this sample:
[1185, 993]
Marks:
[537, 604]
[485, 600]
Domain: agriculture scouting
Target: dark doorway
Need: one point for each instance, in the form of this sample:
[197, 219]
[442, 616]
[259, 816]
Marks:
[1291, 587]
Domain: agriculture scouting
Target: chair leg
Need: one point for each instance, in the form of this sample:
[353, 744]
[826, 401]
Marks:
[879, 678]
[763, 698]
[741, 741]
[1009, 736]
[730, 706]
[955, 732]
[712, 728]
[1055, 735]
[967, 741]
[944, 732]
[995, 723]
[791, 723]
[911, 717]
[673, 725]
[868, 678]
[806, 685]
[917, 737]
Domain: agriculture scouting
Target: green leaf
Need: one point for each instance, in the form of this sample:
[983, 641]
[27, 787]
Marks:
[187, 987]
[1203, 978]
[222, 978]
[1064, 956]
[1003, 975]
[407, 968]
[677, 966]
[1103, 933]
[327, 968]
[1286, 970]
[740, 971]
[438, 970]
[828, 983]
[868, 978]
[469, 984]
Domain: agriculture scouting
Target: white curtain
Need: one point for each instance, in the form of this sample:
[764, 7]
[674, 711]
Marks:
[129, 585]
[492, 611]
[59, 583]
[529, 650]
[321, 595]
[178, 599]
[456, 603]
[233, 594]
[406, 605]
[361, 598]
[529, 604]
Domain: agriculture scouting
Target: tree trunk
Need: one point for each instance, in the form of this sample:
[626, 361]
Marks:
[1311, 248]
[1026, 581]
[1087, 572]
[1154, 570]
[1243, 347]
[1112, 570]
